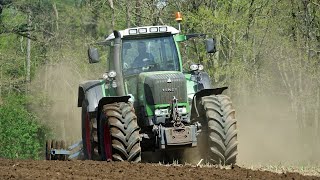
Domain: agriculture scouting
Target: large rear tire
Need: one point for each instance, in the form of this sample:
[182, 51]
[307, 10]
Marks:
[218, 140]
[119, 137]
[89, 133]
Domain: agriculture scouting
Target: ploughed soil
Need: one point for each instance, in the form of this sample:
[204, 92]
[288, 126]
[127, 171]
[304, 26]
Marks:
[42, 169]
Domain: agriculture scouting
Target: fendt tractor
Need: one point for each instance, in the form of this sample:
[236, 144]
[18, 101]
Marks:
[147, 101]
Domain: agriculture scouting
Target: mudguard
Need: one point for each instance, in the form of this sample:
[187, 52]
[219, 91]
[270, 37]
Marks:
[208, 92]
[92, 91]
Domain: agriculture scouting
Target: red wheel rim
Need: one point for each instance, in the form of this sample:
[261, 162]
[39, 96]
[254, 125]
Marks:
[88, 135]
[107, 142]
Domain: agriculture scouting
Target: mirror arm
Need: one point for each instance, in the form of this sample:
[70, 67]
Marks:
[103, 43]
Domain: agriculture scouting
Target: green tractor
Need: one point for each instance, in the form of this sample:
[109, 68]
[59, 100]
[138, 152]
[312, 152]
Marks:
[146, 101]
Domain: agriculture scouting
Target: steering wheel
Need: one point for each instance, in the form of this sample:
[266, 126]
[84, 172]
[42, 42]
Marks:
[149, 65]
[146, 66]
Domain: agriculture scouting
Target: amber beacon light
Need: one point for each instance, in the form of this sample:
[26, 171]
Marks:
[178, 19]
[178, 16]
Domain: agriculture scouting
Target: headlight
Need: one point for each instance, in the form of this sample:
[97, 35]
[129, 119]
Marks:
[105, 76]
[200, 67]
[153, 29]
[157, 112]
[133, 31]
[182, 110]
[142, 30]
[161, 112]
[163, 29]
[112, 74]
[193, 67]
[114, 84]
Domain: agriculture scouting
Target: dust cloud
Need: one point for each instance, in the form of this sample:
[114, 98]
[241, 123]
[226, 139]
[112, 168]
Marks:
[56, 90]
[268, 134]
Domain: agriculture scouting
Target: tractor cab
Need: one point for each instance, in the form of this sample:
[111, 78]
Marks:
[151, 54]
[147, 49]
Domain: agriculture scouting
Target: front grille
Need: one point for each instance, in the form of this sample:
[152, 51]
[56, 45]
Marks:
[158, 90]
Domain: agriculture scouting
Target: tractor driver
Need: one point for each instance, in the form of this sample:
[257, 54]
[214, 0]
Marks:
[144, 58]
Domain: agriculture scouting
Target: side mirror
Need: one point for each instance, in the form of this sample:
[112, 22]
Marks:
[211, 45]
[93, 55]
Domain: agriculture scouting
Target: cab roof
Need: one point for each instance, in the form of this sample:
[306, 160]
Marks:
[144, 31]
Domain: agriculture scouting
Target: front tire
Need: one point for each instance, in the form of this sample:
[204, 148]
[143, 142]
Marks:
[219, 137]
[119, 137]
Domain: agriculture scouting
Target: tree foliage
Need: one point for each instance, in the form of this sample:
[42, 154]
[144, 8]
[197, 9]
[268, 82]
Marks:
[21, 135]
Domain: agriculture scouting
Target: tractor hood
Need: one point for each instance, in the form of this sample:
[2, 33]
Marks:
[143, 75]
[157, 88]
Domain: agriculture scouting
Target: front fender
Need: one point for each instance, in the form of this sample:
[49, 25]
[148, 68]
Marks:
[208, 92]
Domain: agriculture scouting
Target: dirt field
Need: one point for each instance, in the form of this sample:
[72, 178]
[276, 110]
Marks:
[13, 169]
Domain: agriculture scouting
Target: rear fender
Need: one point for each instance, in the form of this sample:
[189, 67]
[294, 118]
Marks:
[195, 110]
[92, 91]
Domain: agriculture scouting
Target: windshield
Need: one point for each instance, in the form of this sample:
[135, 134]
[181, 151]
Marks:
[152, 54]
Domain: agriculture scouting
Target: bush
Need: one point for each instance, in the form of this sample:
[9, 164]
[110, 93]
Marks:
[21, 136]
